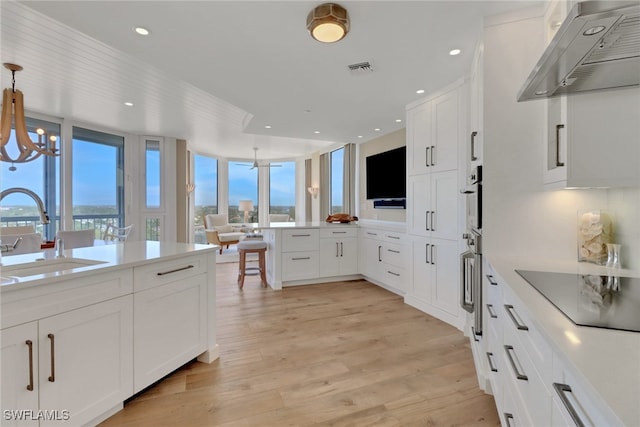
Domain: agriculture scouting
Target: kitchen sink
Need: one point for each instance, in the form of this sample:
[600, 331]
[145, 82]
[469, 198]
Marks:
[44, 267]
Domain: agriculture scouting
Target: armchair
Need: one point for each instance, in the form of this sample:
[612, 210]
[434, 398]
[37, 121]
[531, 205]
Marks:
[220, 232]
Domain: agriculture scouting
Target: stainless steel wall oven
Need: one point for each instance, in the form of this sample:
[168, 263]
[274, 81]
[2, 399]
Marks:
[471, 260]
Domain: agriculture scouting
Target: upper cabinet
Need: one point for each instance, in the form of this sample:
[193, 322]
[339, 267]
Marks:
[476, 131]
[590, 138]
[432, 134]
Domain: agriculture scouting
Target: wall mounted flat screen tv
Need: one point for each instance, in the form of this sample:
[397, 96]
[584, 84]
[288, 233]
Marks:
[387, 174]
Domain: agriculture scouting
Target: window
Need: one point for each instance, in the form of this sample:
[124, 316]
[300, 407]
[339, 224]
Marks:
[98, 190]
[243, 185]
[40, 176]
[282, 190]
[337, 181]
[205, 172]
[152, 162]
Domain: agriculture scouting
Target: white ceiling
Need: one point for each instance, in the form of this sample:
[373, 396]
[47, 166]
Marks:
[217, 72]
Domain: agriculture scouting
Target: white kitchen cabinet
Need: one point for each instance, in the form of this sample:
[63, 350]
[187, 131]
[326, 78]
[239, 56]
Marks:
[170, 327]
[85, 359]
[433, 205]
[433, 126]
[435, 279]
[587, 135]
[82, 362]
[19, 382]
[338, 252]
[383, 259]
[476, 111]
[300, 254]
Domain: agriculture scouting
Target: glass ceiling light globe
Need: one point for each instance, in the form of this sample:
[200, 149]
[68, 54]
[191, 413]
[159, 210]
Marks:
[328, 23]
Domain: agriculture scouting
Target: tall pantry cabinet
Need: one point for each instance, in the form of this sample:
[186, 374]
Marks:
[436, 126]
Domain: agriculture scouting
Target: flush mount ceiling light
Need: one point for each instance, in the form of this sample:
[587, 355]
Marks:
[328, 23]
[13, 114]
[142, 31]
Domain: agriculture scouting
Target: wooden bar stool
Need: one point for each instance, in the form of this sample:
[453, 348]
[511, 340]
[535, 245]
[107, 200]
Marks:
[252, 246]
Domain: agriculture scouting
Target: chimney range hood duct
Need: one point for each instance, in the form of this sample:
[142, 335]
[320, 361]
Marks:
[597, 47]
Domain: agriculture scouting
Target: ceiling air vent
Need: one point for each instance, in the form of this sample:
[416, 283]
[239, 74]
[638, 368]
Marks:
[360, 68]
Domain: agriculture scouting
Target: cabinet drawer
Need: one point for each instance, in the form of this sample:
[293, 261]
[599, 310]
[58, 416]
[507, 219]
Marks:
[395, 276]
[160, 273]
[298, 240]
[338, 232]
[520, 371]
[37, 302]
[532, 342]
[393, 237]
[300, 265]
[394, 255]
[370, 234]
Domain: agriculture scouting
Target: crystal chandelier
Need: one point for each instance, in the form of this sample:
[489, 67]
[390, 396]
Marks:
[13, 117]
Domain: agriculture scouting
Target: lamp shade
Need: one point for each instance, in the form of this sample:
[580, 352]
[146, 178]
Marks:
[245, 205]
[328, 23]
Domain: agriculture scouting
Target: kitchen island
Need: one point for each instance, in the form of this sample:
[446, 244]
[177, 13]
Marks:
[83, 332]
[301, 253]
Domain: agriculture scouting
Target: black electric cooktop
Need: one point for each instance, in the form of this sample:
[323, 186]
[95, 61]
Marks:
[610, 302]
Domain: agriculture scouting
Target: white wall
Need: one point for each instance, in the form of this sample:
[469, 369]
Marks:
[521, 219]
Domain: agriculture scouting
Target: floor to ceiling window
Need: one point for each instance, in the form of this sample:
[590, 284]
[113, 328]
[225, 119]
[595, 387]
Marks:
[337, 181]
[282, 191]
[243, 187]
[98, 177]
[205, 172]
[41, 176]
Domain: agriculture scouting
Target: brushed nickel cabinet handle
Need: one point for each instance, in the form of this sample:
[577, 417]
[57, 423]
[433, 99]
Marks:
[562, 390]
[372, 234]
[162, 273]
[426, 157]
[512, 314]
[341, 249]
[426, 220]
[52, 377]
[490, 359]
[300, 258]
[338, 232]
[433, 150]
[491, 312]
[473, 146]
[379, 253]
[473, 333]
[393, 237]
[29, 344]
[391, 272]
[508, 418]
[393, 251]
[432, 257]
[558, 162]
[521, 376]
[337, 251]
[301, 235]
[433, 220]
[491, 280]
[426, 253]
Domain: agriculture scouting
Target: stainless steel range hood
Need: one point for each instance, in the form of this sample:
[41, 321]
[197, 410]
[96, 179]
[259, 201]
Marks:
[597, 47]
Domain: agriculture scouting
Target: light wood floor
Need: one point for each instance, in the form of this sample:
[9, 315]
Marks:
[335, 354]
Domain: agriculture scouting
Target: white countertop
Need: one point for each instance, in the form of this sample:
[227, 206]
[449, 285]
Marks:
[609, 360]
[300, 224]
[109, 256]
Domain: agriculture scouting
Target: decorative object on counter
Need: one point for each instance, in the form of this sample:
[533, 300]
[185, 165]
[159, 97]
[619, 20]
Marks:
[342, 218]
[595, 231]
[13, 111]
[613, 255]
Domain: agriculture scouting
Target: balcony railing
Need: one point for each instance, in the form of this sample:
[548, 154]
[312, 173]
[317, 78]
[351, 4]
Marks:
[98, 222]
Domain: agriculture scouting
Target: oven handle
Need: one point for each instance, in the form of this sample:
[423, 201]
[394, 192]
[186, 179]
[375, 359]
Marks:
[463, 275]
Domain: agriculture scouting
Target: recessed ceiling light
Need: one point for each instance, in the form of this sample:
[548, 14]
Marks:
[398, 120]
[316, 131]
[420, 91]
[454, 52]
[359, 136]
[128, 104]
[142, 31]
[377, 129]
[267, 127]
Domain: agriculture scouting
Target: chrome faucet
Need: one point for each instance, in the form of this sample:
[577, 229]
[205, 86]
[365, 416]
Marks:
[44, 218]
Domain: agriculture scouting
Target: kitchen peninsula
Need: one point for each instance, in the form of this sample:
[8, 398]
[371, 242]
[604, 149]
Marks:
[83, 332]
